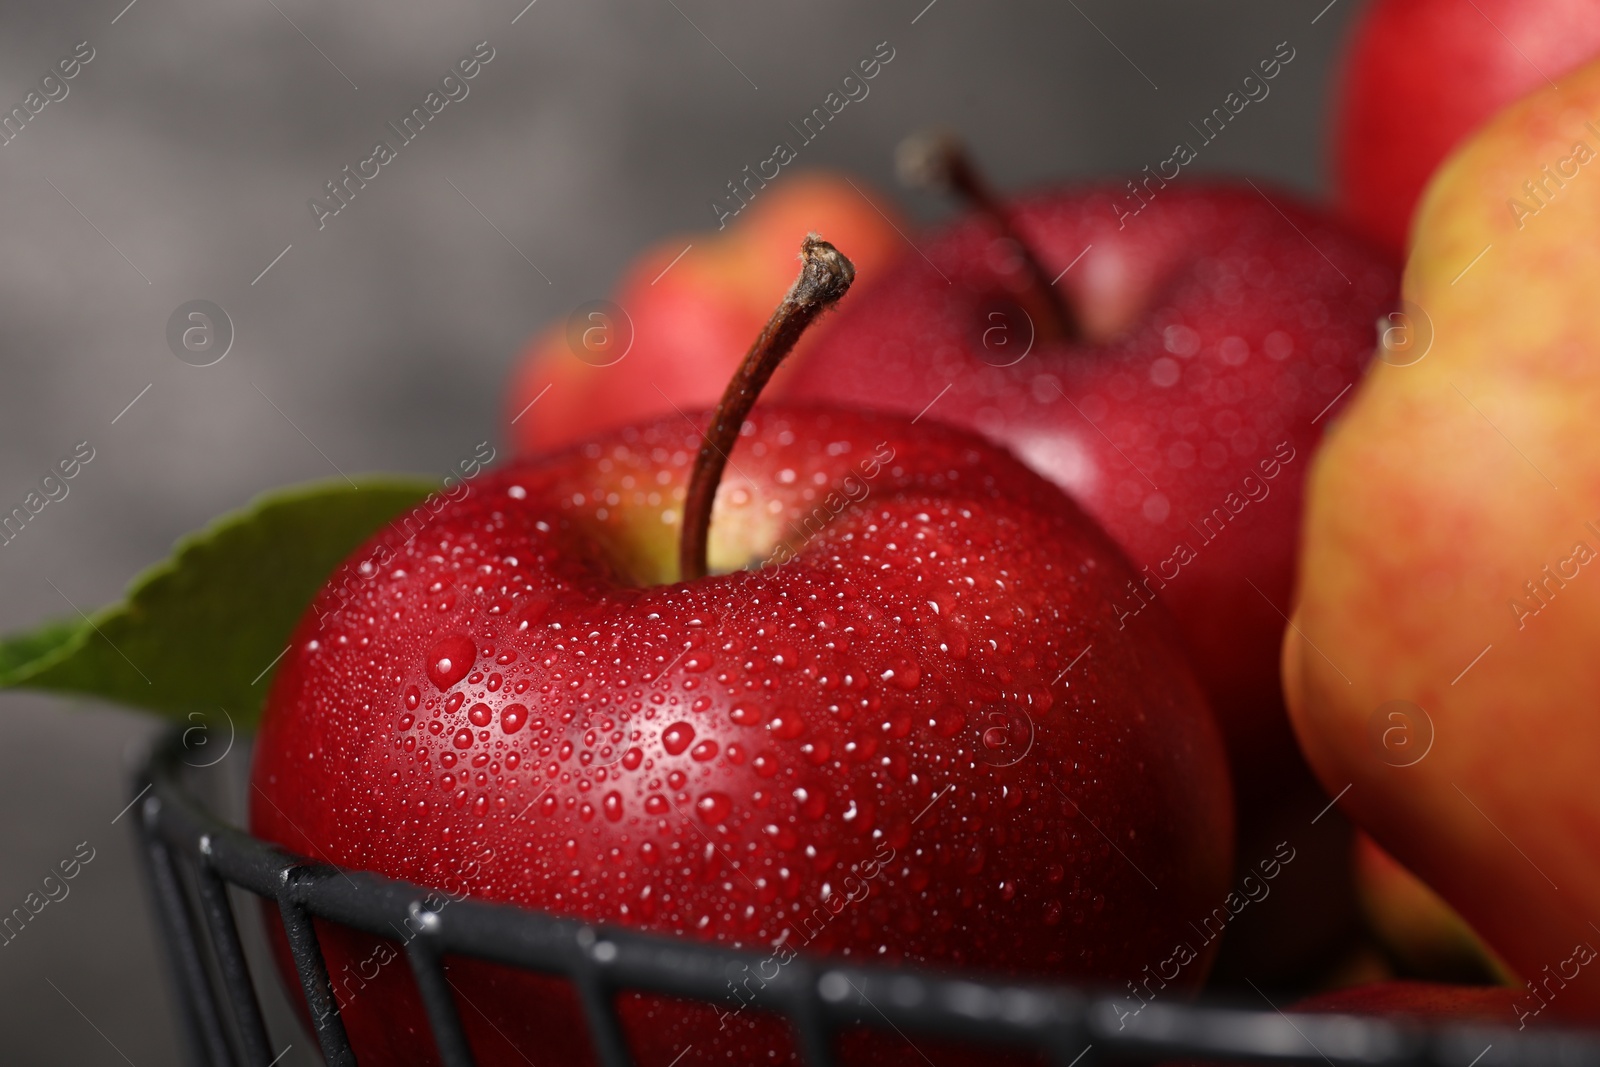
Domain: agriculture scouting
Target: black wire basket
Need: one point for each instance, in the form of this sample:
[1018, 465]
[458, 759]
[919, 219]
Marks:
[192, 857]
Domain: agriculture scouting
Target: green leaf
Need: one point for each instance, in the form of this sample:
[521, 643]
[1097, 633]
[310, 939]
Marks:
[203, 629]
[19, 651]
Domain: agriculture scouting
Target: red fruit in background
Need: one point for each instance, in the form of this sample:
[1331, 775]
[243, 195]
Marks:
[1422, 74]
[1219, 328]
[1432, 1001]
[683, 331]
[523, 689]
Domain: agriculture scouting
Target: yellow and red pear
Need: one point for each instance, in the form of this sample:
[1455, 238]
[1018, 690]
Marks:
[1444, 662]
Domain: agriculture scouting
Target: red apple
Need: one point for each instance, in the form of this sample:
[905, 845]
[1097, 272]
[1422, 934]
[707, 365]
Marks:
[1422, 74]
[917, 734]
[680, 320]
[1218, 331]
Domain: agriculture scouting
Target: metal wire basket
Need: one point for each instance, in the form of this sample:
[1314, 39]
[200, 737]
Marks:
[192, 857]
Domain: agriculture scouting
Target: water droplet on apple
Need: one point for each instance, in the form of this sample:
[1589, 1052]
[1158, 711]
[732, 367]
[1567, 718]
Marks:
[786, 725]
[463, 738]
[530, 614]
[714, 807]
[676, 738]
[904, 673]
[705, 750]
[512, 716]
[450, 660]
[1180, 341]
[480, 715]
[813, 803]
[612, 806]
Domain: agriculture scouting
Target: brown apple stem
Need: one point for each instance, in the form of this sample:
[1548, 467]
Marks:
[825, 276]
[940, 162]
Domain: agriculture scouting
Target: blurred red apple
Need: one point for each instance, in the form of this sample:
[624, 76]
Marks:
[1422, 74]
[1217, 331]
[681, 320]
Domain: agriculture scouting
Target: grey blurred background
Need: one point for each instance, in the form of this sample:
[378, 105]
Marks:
[179, 165]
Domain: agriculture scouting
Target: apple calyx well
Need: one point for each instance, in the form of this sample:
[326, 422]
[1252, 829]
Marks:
[825, 276]
[940, 162]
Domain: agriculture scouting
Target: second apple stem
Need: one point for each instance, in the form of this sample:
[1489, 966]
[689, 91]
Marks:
[941, 162]
[825, 276]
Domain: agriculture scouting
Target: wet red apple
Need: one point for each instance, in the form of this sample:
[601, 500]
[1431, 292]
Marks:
[898, 721]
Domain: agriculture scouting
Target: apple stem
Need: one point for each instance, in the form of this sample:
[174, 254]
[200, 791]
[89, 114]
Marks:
[940, 162]
[825, 276]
